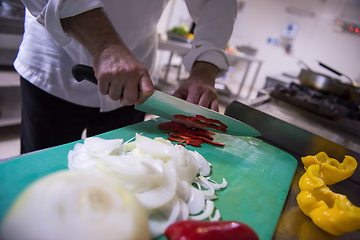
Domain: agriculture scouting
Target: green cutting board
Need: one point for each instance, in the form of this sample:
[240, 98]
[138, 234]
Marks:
[258, 174]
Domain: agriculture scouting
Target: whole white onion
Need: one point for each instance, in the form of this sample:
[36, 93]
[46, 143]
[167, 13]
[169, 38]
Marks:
[75, 205]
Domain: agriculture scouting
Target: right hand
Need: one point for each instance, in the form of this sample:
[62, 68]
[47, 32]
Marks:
[121, 76]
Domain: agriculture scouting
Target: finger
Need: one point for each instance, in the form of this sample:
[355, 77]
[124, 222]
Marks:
[116, 89]
[205, 101]
[194, 97]
[103, 84]
[215, 105]
[146, 89]
[209, 99]
[130, 91]
[180, 93]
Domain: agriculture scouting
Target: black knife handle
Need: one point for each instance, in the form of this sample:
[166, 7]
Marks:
[81, 72]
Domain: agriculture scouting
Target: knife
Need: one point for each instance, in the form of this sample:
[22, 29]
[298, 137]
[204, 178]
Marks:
[166, 106]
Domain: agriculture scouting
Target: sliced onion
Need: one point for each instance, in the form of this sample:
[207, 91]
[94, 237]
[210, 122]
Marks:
[158, 173]
[164, 193]
[161, 218]
[184, 163]
[80, 160]
[183, 190]
[216, 217]
[184, 211]
[96, 146]
[157, 149]
[204, 166]
[206, 213]
[209, 193]
[209, 183]
[196, 202]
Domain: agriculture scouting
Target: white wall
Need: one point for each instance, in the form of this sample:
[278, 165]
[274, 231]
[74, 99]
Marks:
[263, 19]
[315, 39]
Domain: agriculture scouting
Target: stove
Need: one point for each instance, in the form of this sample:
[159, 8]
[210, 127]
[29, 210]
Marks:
[343, 111]
[303, 121]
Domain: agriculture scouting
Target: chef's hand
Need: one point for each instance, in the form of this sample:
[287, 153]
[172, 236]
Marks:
[120, 75]
[199, 87]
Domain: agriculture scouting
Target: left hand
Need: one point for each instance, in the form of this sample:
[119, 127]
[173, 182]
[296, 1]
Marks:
[199, 87]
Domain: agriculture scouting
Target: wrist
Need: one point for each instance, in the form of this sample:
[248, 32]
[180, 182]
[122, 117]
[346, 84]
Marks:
[205, 69]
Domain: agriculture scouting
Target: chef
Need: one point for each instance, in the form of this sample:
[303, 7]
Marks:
[118, 39]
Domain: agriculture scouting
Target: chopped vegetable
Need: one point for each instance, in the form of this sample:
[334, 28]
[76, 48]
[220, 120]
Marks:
[173, 126]
[330, 211]
[76, 205]
[201, 121]
[189, 135]
[158, 173]
[331, 170]
[197, 230]
[196, 139]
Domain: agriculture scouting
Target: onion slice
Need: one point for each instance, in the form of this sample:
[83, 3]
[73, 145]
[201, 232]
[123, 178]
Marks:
[206, 213]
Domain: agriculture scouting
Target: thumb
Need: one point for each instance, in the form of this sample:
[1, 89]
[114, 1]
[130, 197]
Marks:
[146, 89]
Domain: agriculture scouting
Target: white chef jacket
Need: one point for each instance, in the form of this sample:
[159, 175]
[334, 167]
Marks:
[47, 54]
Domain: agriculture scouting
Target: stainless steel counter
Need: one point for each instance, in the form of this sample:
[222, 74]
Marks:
[286, 131]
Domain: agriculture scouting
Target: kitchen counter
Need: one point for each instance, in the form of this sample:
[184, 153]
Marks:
[246, 163]
[292, 223]
[281, 133]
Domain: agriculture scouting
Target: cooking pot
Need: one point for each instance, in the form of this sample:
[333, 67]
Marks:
[328, 84]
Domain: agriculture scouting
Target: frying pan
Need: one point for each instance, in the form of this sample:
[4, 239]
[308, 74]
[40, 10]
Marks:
[328, 84]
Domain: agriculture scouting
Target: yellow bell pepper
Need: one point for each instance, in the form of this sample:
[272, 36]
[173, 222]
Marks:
[330, 211]
[331, 170]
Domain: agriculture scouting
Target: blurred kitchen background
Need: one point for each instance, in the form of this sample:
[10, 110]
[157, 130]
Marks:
[272, 41]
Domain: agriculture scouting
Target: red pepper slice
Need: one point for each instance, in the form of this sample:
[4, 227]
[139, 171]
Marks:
[201, 230]
[191, 136]
[176, 139]
[172, 126]
[186, 139]
[198, 120]
[203, 139]
[201, 132]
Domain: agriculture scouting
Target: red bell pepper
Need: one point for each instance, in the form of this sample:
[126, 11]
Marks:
[201, 230]
[190, 136]
[202, 139]
[198, 120]
[172, 126]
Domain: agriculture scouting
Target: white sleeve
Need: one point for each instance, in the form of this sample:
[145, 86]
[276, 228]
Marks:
[49, 12]
[214, 25]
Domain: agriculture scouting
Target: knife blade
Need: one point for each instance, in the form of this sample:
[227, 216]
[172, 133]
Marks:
[166, 106]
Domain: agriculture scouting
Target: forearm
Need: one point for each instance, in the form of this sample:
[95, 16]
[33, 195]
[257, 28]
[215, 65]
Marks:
[120, 75]
[93, 30]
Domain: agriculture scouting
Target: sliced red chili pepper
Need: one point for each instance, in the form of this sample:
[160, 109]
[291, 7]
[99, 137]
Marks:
[201, 230]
